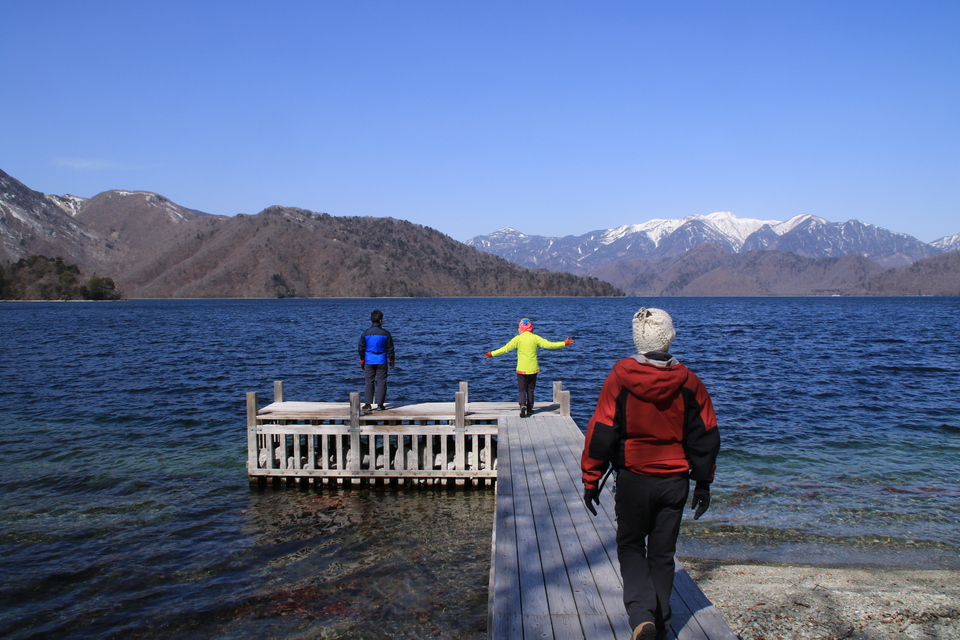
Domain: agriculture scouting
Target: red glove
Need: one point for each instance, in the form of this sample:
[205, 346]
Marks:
[487, 354]
[568, 341]
[361, 365]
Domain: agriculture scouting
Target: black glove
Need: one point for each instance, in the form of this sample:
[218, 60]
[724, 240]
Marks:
[701, 498]
[591, 496]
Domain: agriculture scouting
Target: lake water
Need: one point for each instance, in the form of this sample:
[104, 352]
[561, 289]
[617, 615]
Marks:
[126, 511]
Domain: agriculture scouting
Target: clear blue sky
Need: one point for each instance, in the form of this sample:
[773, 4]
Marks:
[556, 117]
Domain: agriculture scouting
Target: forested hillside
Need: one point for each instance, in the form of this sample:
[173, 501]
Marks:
[42, 278]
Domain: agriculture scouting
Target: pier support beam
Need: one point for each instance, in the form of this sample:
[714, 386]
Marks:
[459, 429]
[561, 397]
[355, 431]
[253, 451]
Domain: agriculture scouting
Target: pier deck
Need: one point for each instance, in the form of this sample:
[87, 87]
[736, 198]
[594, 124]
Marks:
[414, 443]
[554, 571]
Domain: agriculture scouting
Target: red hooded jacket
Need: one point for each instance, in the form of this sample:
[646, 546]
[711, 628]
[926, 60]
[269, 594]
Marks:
[655, 418]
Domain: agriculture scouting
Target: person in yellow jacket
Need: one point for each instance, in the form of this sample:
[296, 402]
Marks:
[527, 344]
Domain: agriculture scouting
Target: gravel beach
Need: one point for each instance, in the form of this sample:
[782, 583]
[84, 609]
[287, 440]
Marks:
[784, 602]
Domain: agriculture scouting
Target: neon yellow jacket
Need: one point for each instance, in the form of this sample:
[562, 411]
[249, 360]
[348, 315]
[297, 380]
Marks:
[526, 344]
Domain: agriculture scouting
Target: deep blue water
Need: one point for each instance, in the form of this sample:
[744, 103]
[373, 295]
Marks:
[126, 510]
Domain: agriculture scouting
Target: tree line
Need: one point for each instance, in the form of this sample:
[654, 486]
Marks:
[42, 278]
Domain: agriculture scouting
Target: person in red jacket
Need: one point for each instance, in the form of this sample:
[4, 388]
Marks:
[654, 425]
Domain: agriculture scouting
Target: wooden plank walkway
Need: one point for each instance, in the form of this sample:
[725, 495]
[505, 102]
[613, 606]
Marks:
[554, 571]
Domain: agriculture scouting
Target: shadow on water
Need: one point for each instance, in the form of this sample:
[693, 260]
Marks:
[369, 563]
[347, 564]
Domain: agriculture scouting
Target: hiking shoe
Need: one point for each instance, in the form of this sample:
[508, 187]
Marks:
[523, 411]
[380, 407]
[645, 631]
[366, 407]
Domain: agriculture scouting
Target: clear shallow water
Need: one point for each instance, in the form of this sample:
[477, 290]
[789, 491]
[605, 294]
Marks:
[126, 510]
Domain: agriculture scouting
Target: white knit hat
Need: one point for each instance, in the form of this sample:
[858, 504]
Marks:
[652, 330]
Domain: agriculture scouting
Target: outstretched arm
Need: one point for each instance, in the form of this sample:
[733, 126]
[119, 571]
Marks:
[510, 346]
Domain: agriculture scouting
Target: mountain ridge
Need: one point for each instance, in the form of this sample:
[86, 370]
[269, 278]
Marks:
[155, 248]
[805, 235]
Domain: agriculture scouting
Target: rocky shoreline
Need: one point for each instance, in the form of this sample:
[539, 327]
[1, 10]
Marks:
[785, 602]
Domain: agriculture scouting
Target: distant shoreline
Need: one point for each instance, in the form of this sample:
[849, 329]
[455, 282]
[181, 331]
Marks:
[639, 297]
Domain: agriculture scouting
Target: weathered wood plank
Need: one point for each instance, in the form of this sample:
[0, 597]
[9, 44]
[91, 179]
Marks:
[298, 410]
[566, 626]
[705, 620]
[597, 626]
[579, 571]
[597, 546]
[375, 429]
[536, 626]
[252, 449]
[533, 592]
[554, 570]
[504, 621]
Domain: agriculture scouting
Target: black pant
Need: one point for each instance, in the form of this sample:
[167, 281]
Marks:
[526, 383]
[375, 373]
[649, 511]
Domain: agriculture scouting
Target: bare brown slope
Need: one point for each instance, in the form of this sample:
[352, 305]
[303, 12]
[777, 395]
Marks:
[707, 270]
[284, 252]
[132, 222]
[665, 276]
[936, 276]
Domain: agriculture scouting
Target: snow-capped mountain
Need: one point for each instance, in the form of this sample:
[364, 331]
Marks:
[804, 235]
[723, 225]
[947, 243]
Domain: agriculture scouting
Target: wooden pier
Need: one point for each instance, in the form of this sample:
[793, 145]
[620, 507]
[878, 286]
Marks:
[425, 443]
[554, 571]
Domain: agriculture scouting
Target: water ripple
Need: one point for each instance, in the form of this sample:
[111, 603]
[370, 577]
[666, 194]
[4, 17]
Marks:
[126, 509]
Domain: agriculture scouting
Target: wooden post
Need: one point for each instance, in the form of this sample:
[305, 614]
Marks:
[355, 430]
[278, 390]
[296, 452]
[463, 389]
[272, 442]
[252, 452]
[460, 408]
[565, 403]
[557, 389]
[354, 409]
[460, 427]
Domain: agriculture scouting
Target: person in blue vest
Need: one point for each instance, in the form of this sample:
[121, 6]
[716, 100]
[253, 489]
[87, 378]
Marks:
[376, 354]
